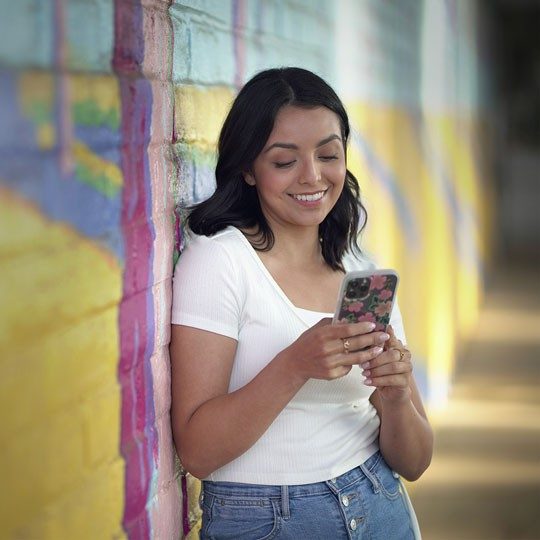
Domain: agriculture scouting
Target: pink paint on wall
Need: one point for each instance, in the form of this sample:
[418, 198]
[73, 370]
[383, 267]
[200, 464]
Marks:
[138, 437]
[165, 503]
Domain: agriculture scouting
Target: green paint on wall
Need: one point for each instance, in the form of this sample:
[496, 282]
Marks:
[89, 113]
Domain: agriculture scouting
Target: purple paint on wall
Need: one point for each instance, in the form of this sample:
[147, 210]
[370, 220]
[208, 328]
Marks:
[239, 44]
[64, 122]
[136, 319]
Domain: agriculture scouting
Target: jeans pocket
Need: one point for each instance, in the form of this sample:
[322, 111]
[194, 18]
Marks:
[385, 480]
[228, 518]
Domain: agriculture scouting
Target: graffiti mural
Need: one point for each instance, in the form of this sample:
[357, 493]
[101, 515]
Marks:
[108, 131]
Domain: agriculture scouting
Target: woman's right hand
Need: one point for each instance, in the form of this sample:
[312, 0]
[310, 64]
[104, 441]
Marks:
[328, 351]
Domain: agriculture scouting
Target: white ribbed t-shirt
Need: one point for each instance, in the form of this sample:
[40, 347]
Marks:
[329, 427]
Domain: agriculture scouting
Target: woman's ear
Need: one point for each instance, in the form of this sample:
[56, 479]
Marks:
[249, 178]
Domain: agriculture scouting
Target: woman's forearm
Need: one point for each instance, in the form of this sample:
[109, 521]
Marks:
[405, 439]
[212, 427]
[225, 427]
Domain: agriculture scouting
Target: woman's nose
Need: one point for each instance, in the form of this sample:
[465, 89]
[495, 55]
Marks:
[310, 172]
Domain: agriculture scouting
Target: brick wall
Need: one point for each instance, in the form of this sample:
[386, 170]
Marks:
[109, 114]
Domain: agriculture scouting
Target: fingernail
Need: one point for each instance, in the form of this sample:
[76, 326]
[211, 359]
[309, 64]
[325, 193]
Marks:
[365, 365]
[384, 337]
[371, 325]
[367, 382]
[366, 373]
[377, 350]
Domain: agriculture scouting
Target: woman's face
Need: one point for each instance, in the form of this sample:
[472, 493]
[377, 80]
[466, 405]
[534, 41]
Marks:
[300, 172]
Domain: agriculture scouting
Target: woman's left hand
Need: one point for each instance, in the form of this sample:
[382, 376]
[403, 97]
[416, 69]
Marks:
[390, 372]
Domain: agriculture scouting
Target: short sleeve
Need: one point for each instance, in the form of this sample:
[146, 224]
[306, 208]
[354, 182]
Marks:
[206, 289]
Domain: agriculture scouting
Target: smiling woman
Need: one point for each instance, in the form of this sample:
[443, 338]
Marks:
[243, 140]
[299, 175]
[290, 437]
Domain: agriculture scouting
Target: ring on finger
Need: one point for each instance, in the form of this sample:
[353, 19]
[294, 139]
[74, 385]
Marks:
[402, 353]
[346, 345]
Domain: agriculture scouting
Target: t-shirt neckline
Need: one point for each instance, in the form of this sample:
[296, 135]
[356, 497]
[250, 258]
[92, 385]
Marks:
[298, 311]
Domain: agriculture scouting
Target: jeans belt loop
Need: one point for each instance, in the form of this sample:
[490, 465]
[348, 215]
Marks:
[372, 478]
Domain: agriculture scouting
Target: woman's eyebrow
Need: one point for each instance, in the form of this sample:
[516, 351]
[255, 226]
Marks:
[291, 146]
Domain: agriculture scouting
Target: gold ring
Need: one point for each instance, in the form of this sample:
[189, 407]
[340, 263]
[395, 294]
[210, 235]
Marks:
[346, 345]
[402, 353]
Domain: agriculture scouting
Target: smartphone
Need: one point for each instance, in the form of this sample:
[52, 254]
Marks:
[367, 296]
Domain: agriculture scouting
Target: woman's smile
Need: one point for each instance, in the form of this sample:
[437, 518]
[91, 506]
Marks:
[308, 199]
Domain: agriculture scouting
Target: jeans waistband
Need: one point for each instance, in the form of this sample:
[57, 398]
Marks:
[236, 489]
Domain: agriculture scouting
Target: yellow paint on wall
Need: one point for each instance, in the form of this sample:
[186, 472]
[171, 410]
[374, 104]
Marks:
[103, 89]
[100, 173]
[455, 139]
[194, 510]
[36, 98]
[101, 92]
[375, 125]
[45, 136]
[439, 294]
[60, 400]
[386, 237]
[199, 113]
[95, 100]
[439, 263]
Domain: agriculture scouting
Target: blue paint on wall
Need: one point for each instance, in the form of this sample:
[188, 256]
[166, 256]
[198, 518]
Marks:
[35, 173]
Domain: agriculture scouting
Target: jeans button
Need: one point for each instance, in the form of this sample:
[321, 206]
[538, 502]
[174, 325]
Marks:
[345, 500]
[352, 524]
[333, 480]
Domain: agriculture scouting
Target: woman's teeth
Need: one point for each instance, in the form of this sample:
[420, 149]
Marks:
[311, 197]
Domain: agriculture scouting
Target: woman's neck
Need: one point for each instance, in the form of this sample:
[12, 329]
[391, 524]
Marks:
[299, 246]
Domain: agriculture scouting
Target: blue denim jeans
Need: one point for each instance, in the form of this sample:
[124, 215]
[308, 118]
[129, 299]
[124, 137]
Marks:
[366, 502]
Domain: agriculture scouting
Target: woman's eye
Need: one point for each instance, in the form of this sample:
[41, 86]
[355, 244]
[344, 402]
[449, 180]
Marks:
[283, 164]
[328, 158]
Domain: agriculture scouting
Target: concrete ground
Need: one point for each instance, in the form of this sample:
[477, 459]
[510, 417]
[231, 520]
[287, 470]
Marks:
[484, 481]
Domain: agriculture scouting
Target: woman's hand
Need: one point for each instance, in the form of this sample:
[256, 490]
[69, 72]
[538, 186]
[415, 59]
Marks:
[328, 351]
[405, 436]
[390, 372]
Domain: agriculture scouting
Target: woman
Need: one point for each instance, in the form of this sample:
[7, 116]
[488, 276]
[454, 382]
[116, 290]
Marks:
[298, 428]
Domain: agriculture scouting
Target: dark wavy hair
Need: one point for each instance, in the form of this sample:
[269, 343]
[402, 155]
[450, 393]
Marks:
[243, 136]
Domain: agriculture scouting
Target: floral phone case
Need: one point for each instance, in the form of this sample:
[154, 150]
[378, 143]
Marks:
[367, 296]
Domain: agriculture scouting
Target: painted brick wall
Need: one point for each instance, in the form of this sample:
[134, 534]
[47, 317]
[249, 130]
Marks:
[86, 259]
[61, 263]
[109, 114]
[110, 111]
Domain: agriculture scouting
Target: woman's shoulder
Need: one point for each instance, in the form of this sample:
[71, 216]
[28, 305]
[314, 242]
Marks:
[216, 257]
[226, 241]
[221, 254]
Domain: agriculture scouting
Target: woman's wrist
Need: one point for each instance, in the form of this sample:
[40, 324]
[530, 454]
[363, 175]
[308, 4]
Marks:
[291, 368]
[399, 399]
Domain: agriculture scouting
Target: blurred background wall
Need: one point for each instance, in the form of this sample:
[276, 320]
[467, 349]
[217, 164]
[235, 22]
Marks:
[109, 114]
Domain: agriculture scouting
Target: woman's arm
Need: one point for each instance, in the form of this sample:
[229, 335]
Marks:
[212, 427]
[405, 437]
